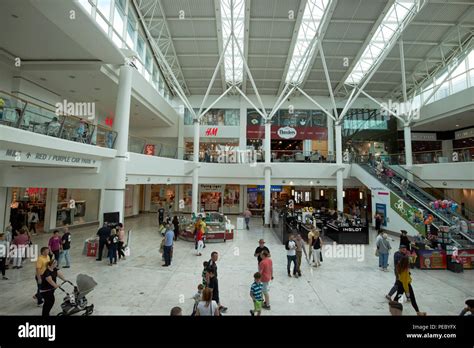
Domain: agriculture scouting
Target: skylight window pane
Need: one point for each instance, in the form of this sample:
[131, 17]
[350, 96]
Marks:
[233, 17]
[104, 7]
[86, 5]
[396, 17]
[312, 16]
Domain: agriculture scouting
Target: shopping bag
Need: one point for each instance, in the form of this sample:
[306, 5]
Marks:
[126, 251]
[402, 299]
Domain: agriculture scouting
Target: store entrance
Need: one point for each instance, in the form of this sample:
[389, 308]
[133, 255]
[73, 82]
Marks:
[285, 150]
[27, 208]
[211, 201]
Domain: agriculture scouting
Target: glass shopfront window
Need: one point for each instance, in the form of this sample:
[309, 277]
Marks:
[24, 202]
[77, 206]
[215, 117]
[162, 196]
[231, 199]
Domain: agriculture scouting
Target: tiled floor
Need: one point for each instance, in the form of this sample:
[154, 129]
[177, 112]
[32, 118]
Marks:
[140, 286]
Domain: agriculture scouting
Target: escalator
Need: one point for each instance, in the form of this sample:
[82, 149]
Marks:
[464, 234]
[418, 198]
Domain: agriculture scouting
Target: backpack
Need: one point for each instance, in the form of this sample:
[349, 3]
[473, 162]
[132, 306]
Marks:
[287, 245]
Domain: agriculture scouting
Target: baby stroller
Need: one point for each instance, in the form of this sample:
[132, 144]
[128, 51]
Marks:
[77, 301]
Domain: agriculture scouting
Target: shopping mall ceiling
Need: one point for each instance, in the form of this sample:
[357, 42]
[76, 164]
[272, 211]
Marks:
[192, 33]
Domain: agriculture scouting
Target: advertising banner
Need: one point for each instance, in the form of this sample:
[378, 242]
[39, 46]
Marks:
[150, 149]
[467, 258]
[410, 214]
[286, 132]
[381, 209]
[432, 259]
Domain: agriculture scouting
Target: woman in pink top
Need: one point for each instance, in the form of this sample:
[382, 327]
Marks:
[55, 244]
[20, 241]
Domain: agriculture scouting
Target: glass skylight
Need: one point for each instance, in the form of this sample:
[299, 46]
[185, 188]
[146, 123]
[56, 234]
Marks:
[312, 16]
[396, 18]
[233, 19]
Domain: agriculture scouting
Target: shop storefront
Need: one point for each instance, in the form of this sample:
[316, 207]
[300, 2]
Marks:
[256, 195]
[77, 206]
[23, 202]
[215, 150]
[297, 135]
[162, 196]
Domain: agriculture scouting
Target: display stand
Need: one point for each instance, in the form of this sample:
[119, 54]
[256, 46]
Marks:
[218, 229]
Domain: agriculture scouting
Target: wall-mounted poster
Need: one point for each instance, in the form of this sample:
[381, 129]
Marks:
[410, 214]
[432, 259]
[467, 258]
[150, 149]
[381, 209]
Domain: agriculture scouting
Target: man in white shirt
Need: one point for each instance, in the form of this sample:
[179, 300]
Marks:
[291, 256]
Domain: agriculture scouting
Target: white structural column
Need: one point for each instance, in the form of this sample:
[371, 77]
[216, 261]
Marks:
[268, 170]
[114, 194]
[330, 124]
[339, 173]
[408, 151]
[5, 201]
[195, 198]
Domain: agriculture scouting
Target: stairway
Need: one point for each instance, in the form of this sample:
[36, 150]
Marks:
[420, 199]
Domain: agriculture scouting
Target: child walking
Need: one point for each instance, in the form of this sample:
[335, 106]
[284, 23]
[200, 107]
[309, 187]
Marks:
[256, 293]
[197, 298]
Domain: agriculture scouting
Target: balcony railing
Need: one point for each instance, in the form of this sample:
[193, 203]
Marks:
[18, 113]
[256, 156]
[421, 157]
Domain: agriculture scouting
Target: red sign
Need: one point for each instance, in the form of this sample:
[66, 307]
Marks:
[302, 133]
[432, 259]
[150, 149]
[467, 258]
[211, 132]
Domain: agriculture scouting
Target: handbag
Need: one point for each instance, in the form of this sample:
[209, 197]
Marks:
[376, 252]
[162, 245]
[126, 251]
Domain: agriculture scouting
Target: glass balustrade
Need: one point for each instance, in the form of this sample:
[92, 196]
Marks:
[18, 113]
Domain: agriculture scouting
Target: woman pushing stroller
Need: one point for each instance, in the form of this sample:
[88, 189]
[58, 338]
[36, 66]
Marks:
[48, 285]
